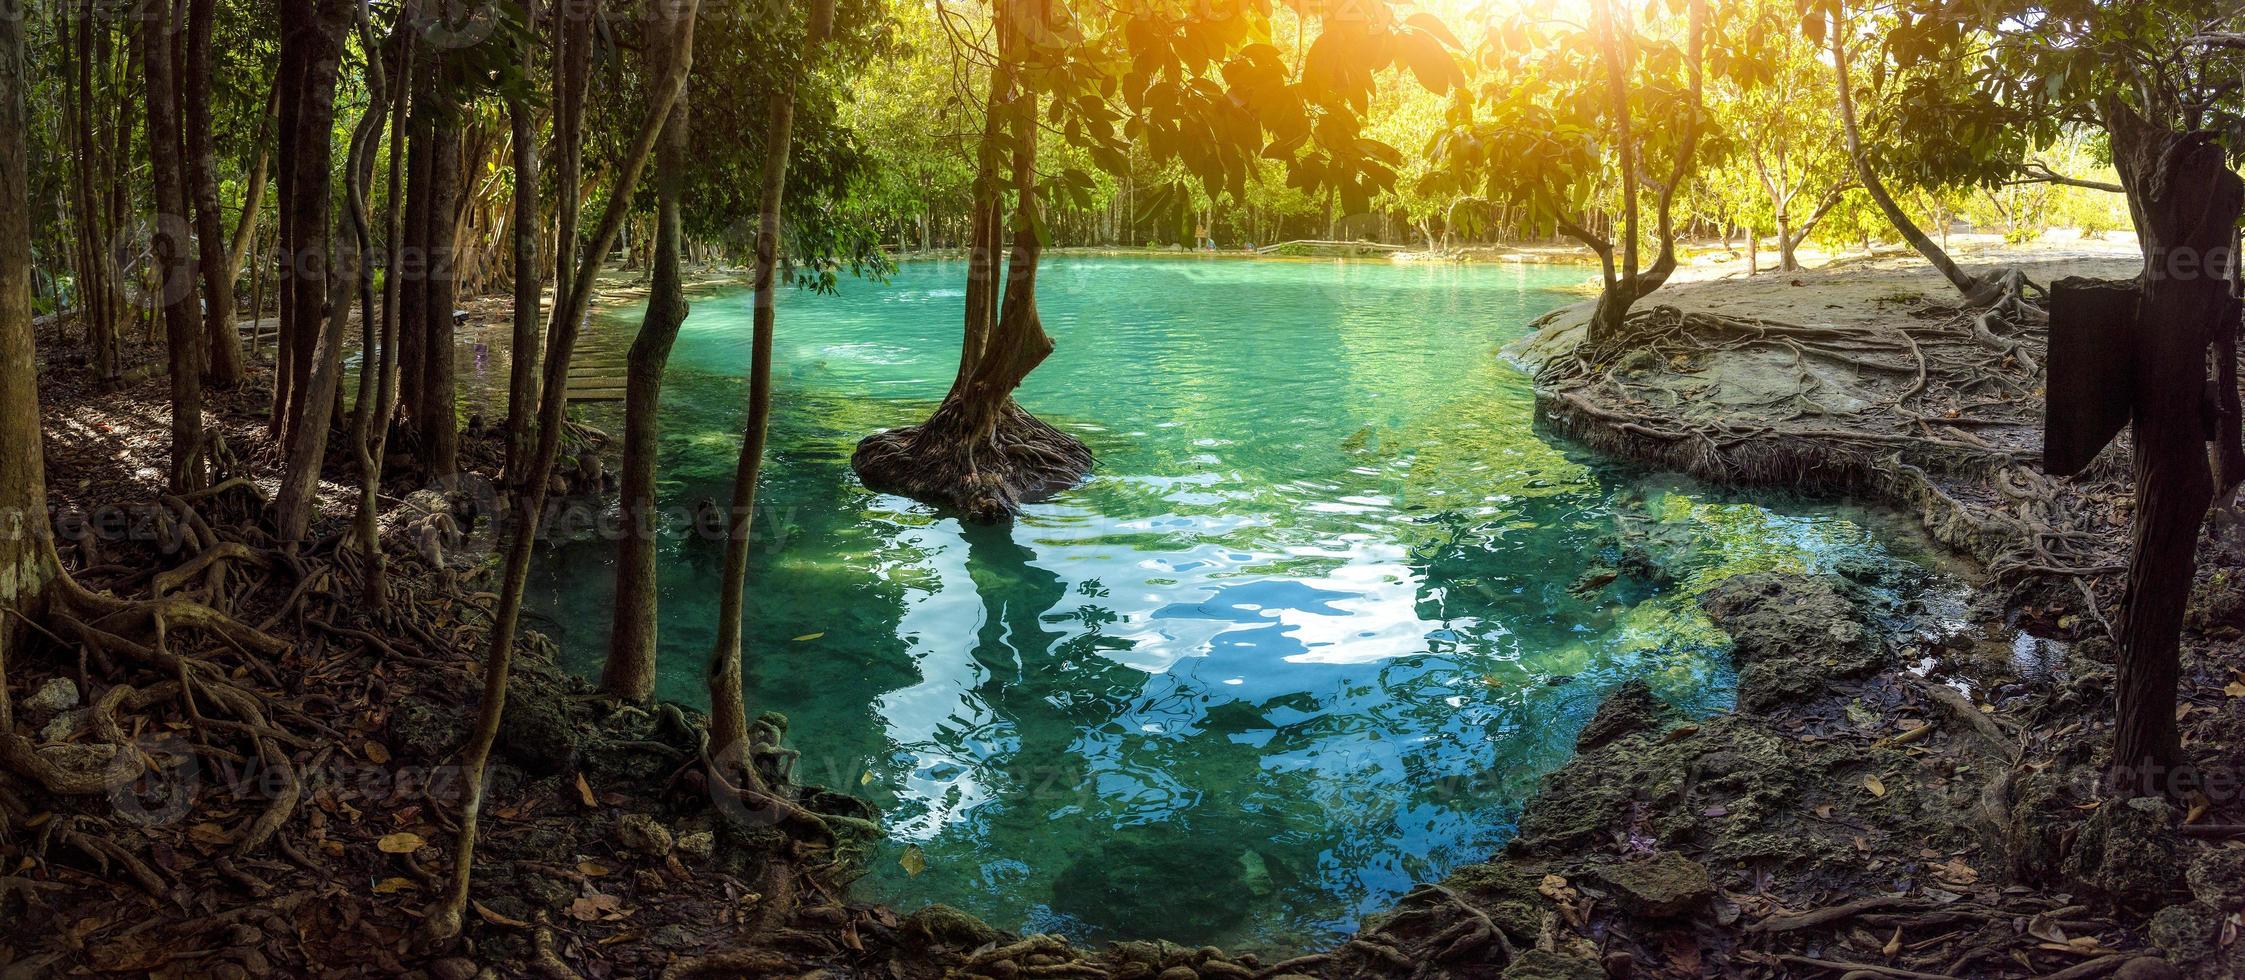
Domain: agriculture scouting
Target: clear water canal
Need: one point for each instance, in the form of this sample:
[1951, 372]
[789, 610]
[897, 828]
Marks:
[1329, 607]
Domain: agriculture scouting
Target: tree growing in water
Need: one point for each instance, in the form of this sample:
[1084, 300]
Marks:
[1200, 88]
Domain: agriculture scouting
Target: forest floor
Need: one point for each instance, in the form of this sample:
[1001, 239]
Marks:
[1881, 803]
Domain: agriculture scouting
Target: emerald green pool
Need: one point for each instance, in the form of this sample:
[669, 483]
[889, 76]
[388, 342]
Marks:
[1305, 638]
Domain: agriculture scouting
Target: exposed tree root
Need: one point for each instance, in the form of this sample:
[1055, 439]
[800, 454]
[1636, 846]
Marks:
[1020, 461]
[1952, 420]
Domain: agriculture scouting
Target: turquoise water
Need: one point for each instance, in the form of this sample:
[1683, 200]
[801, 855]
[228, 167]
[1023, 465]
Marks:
[1306, 637]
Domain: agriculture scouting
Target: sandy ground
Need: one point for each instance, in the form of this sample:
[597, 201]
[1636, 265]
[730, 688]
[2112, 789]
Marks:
[1844, 290]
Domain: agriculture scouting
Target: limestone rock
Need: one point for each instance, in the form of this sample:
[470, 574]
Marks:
[1630, 709]
[60, 727]
[2187, 933]
[640, 832]
[58, 694]
[1663, 885]
[2126, 853]
[2217, 877]
[697, 846]
[1536, 964]
[943, 925]
[1792, 633]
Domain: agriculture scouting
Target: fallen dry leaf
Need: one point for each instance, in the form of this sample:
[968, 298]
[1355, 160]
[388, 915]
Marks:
[402, 842]
[1874, 784]
[496, 919]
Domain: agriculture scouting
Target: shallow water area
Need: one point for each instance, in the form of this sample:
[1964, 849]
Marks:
[1327, 609]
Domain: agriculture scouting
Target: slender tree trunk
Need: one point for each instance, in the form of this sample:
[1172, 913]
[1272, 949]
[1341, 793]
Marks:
[220, 340]
[102, 307]
[253, 193]
[309, 102]
[573, 292]
[522, 377]
[629, 674]
[728, 714]
[176, 282]
[412, 261]
[1971, 286]
[439, 420]
[378, 333]
[319, 363]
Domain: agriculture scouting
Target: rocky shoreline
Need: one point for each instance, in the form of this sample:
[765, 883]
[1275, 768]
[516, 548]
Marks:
[1879, 804]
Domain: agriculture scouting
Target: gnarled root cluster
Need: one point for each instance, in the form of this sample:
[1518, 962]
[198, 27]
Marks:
[987, 478]
[1947, 421]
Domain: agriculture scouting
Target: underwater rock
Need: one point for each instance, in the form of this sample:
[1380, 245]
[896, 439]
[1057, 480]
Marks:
[1594, 579]
[1130, 886]
[1792, 634]
[1663, 885]
[1630, 709]
[2126, 853]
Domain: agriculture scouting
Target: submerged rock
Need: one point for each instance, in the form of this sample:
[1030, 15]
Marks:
[1131, 885]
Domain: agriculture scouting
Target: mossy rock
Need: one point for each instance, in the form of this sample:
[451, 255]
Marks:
[2126, 853]
[1536, 964]
[2187, 933]
[1792, 634]
[1628, 710]
[537, 732]
[1662, 885]
[943, 925]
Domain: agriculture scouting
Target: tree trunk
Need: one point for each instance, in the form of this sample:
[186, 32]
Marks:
[522, 374]
[629, 674]
[2185, 200]
[1974, 289]
[980, 452]
[27, 556]
[253, 195]
[308, 122]
[221, 342]
[573, 292]
[439, 421]
[728, 715]
[320, 366]
[378, 335]
[176, 278]
[102, 306]
[411, 264]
